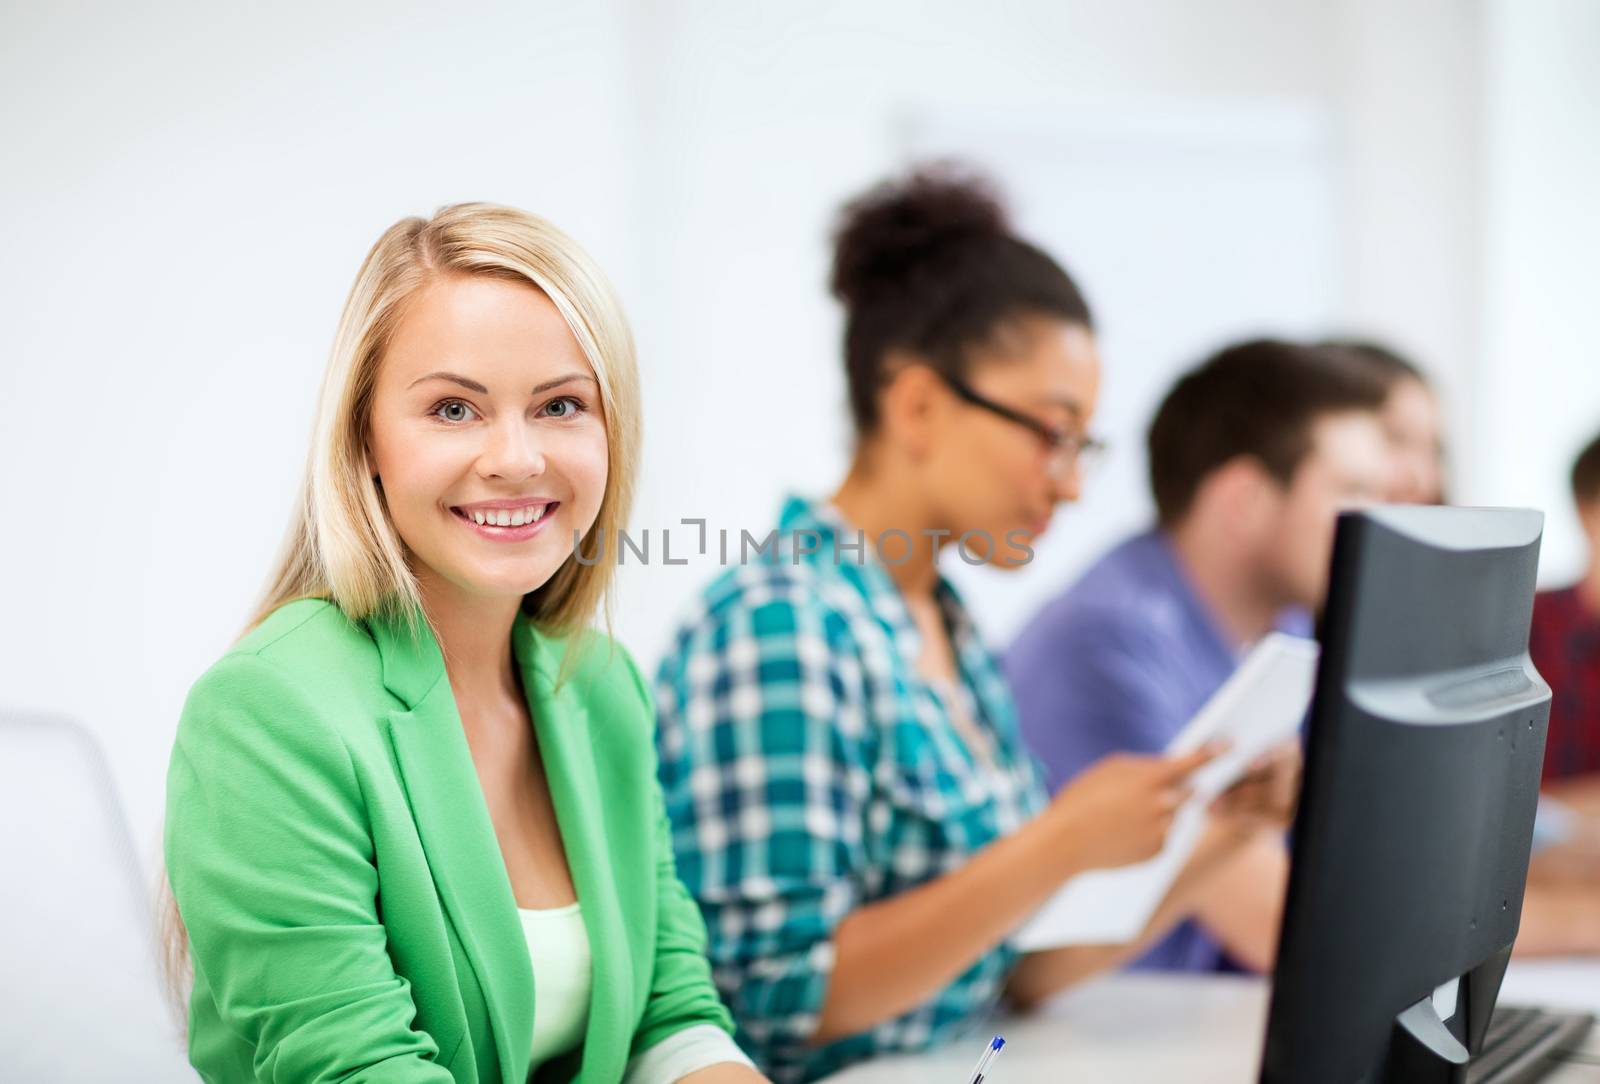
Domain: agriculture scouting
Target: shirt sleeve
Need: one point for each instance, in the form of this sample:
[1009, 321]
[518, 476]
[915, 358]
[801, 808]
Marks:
[684, 1052]
[271, 862]
[766, 775]
[1089, 687]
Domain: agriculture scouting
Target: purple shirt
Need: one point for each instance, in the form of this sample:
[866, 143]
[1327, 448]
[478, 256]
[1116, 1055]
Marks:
[1120, 663]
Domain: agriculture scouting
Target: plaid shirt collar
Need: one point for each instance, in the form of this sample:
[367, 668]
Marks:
[868, 575]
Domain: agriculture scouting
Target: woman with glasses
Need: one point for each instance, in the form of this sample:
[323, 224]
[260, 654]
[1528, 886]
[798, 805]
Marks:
[853, 808]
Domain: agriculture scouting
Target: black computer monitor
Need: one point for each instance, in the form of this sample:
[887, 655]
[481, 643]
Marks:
[1410, 847]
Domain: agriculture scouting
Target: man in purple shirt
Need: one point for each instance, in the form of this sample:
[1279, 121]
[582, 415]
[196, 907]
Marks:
[1252, 456]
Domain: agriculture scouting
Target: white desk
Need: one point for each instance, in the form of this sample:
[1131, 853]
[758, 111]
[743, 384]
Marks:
[1156, 1029]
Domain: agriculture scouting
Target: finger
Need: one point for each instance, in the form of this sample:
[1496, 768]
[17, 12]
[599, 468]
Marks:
[1176, 767]
[1289, 792]
[1256, 778]
[1277, 758]
[1286, 773]
[1239, 798]
[1284, 755]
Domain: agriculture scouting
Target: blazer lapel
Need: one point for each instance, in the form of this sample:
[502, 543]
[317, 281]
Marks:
[561, 722]
[457, 835]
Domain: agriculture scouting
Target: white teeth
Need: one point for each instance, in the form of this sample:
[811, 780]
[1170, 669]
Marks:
[503, 517]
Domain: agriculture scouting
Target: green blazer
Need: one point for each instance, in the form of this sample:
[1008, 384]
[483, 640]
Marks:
[349, 913]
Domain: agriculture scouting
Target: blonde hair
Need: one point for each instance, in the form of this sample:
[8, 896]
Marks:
[341, 544]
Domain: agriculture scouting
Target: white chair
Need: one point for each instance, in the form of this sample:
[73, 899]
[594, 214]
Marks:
[83, 998]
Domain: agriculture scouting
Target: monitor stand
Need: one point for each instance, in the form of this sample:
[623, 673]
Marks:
[1423, 1049]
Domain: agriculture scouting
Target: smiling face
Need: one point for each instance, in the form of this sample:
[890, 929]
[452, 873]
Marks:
[487, 436]
[991, 474]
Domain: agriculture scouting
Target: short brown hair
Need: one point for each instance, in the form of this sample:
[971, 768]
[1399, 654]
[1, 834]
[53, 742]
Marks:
[1386, 364]
[1586, 474]
[1258, 398]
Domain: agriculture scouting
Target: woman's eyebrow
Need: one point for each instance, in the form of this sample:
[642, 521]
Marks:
[560, 380]
[473, 385]
[470, 385]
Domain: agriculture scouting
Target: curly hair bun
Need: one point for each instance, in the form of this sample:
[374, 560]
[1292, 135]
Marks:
[903, 226]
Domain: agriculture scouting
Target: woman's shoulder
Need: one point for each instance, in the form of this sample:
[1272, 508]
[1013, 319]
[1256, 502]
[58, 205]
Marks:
[301, 668]
[299, 621]
[774, 597]
[309, 643]
[273, 733]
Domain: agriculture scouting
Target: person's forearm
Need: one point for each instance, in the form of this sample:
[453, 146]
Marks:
[727, 1073]
[1041, 975]
[1581, 792]
[1575, 863]
[892, 955]
[1242, 906]
[1559, 921]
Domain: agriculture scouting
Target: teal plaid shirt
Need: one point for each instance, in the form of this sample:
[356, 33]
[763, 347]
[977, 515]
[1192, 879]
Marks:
[809, 769]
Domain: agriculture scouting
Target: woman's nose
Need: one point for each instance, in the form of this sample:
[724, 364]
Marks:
[514, 450]
[1068, 486]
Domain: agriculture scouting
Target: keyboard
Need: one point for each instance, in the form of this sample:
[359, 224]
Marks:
[1525, 1045]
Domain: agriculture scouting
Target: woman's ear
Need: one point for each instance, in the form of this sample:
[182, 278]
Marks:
[910, 404]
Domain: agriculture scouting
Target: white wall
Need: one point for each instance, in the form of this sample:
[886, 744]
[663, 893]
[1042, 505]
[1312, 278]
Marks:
[1189, 227]
[188, 192]
[762, 121]
[1410, 115]
[1538, 394]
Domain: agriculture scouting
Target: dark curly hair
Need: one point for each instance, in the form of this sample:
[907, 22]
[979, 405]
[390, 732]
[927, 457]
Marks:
[928, 263]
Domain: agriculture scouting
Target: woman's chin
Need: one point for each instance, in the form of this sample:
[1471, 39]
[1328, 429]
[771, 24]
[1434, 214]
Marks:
[507, 585]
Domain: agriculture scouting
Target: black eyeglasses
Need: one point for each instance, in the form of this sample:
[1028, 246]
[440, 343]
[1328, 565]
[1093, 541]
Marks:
[1068, 451]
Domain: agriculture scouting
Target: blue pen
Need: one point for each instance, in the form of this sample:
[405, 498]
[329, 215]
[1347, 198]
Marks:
[989, 1053]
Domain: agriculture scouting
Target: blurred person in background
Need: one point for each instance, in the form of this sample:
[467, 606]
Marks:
[1252, 455]
[1411, 423]
[413, 828]
[1565, 645]
[1561, 908]
[853, 807]
[1564, 888]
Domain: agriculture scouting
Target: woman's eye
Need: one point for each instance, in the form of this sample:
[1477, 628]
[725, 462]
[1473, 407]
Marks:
[452, 410]
[564, 407]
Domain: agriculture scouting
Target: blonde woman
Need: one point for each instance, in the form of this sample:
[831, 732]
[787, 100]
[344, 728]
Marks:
[413, 830]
